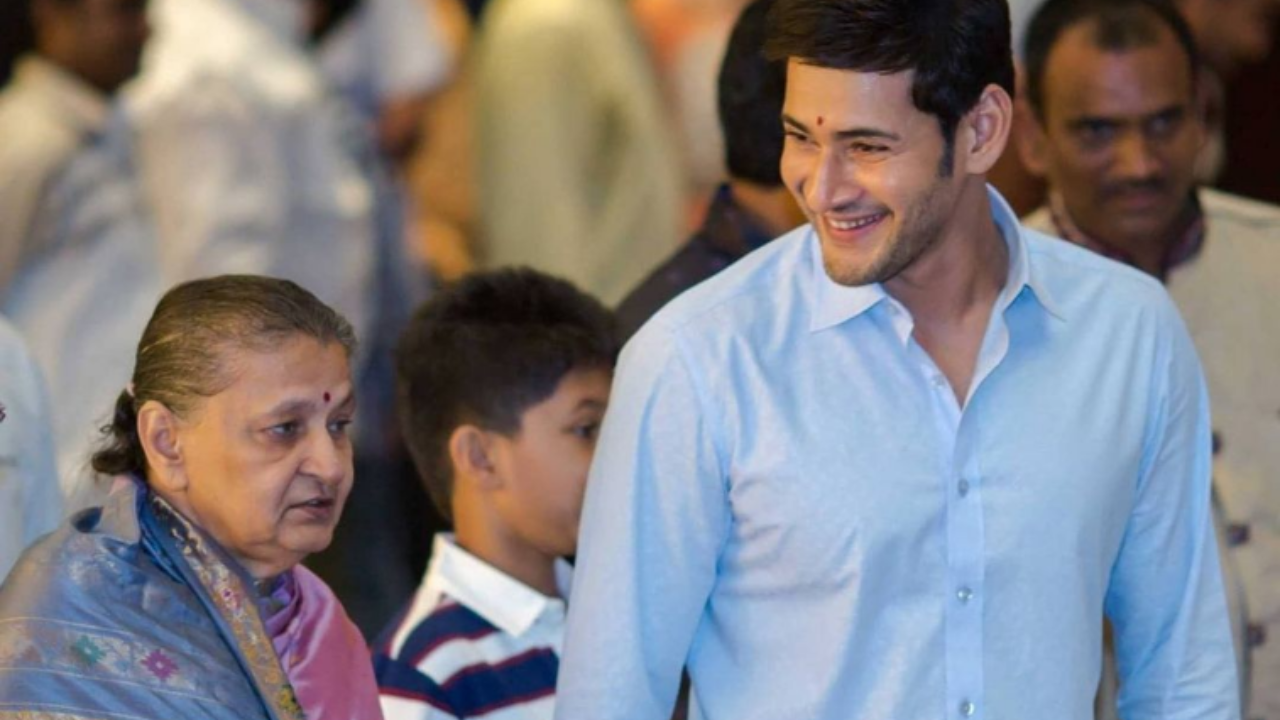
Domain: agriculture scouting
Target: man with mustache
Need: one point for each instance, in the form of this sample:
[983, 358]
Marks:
[1113, 90]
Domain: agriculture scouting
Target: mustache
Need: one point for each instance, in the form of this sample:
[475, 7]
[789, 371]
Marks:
[1141, 185]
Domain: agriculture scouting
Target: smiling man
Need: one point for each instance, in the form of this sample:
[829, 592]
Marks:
[900, 462]
[1113, 90]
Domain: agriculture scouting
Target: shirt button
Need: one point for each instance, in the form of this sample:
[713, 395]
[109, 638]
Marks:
[1257, 635]
[964, 594]
[967, 708]
[939, 381]
[1237, 534]
[962, 487]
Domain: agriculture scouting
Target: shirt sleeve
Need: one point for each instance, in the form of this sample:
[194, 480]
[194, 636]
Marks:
[28, 478]
[1174, 653]
[28, 172]
[411, 55]
[654, 524]
[42, 499]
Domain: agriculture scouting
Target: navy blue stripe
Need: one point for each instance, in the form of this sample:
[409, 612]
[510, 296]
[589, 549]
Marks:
[483, 688]
[382, 644]
[395, 679]
[442, 625]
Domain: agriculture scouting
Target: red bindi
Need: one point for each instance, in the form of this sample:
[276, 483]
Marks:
[326, 397]
[819, 121]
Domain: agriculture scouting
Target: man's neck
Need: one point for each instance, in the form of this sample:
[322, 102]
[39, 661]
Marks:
[964, 270]
[1155, 254]
[951, 290]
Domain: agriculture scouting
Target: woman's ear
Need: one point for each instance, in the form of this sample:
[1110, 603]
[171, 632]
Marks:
[158, 433]
[471, 450]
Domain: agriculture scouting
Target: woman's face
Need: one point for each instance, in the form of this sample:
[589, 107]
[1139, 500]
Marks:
[267, 461]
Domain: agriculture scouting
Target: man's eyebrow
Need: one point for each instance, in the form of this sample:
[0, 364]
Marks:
[859, 133]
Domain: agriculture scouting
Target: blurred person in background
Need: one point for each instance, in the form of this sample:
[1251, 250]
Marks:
[753, 206]
[1228, 35]
[577, 172]
[249, 162]
[687, 39]
[78, 272]
[388, 57]
[1114, 88]
[30, 504]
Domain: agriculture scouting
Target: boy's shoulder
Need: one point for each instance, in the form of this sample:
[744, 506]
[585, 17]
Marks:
[422, 632]
[454, 661]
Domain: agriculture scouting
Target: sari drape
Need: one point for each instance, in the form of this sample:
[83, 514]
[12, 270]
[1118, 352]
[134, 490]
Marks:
[130, 612]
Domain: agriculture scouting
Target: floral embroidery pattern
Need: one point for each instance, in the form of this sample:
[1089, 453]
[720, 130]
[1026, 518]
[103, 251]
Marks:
[160, 665]
[88, 650]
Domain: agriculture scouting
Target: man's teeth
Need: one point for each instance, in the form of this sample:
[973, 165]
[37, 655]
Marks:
[855, 224]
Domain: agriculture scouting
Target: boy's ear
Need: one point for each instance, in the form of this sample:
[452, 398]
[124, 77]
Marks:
[472, 451]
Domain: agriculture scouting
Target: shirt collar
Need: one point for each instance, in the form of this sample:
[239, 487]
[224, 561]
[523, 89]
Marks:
[500, 599]
[83, 105]
[1184, 245]
[836, 303]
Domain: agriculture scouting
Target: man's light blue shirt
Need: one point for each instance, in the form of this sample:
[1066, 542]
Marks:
[787, 497]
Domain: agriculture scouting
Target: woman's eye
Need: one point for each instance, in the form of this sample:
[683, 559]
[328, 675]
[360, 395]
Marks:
[285, 429]
[340, 427]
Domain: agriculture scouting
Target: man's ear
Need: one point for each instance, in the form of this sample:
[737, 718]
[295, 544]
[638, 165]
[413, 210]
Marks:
[1030, 137]
[472, 451]
[158, 433]
[984, 131]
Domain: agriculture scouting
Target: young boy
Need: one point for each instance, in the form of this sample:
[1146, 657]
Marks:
[503, 382]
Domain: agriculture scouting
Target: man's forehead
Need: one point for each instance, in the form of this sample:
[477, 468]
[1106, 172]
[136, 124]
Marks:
[810, 85]
[1082, 77]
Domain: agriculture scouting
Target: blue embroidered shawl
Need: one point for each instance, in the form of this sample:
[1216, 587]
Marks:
[128, 612]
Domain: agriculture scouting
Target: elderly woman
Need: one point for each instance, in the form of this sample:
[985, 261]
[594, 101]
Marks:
[183, 596]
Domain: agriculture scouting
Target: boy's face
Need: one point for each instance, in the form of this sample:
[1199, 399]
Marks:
[544, 465]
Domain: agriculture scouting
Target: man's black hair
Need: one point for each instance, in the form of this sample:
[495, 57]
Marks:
[751, 90]
[956, 47]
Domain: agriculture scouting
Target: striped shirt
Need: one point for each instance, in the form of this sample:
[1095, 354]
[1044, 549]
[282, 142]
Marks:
[473, 642]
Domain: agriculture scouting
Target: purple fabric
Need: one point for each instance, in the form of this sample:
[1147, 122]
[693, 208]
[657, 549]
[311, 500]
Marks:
[321, 650]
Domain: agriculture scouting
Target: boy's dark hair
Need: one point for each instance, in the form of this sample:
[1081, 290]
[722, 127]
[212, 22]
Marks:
[484, 350]
[956, 47]
[750, 94]
[1119, 25]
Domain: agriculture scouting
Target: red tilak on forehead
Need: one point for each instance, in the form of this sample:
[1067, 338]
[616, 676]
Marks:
[819, 121]
[326, 397]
